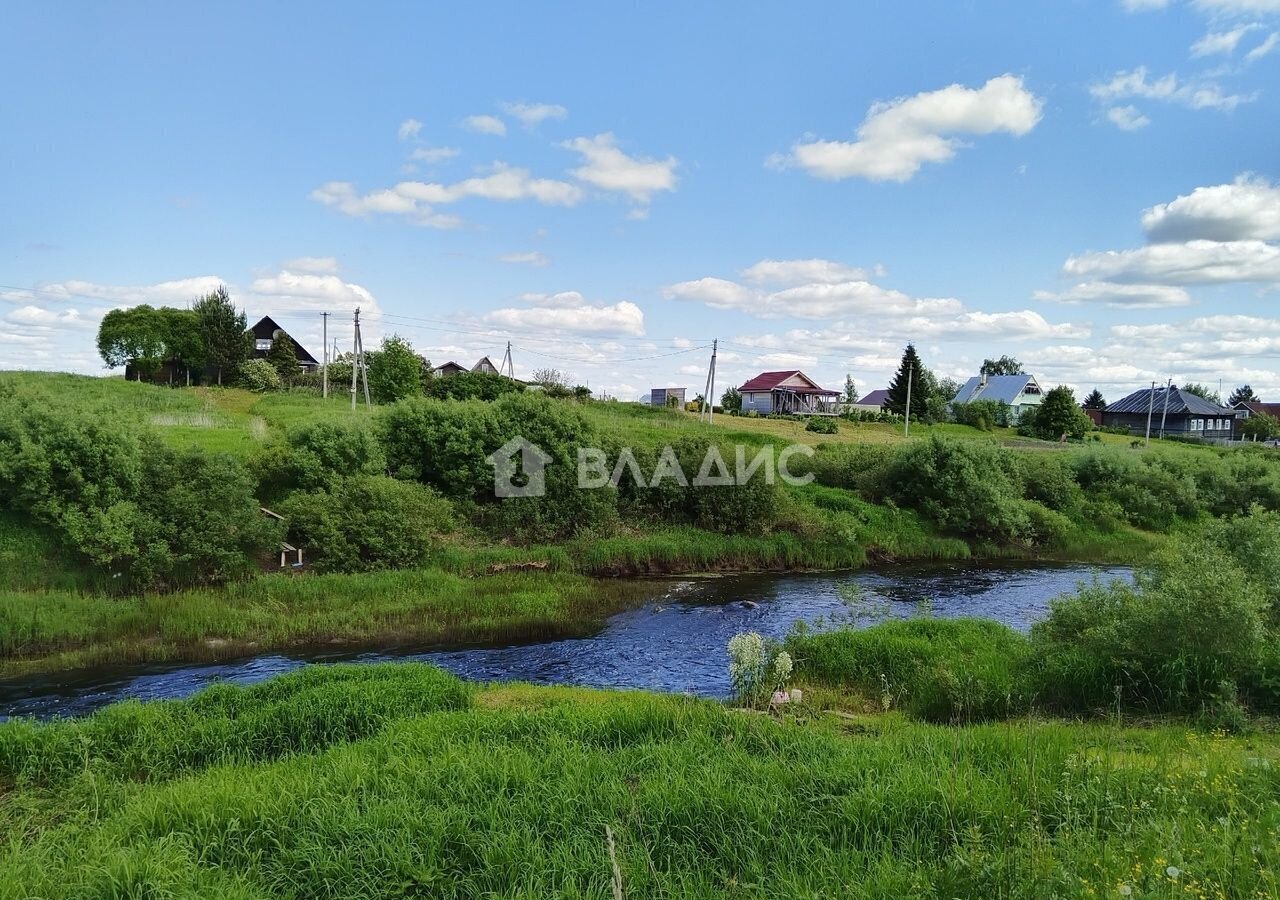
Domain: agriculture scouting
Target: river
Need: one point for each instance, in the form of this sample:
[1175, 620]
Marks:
[675, 642]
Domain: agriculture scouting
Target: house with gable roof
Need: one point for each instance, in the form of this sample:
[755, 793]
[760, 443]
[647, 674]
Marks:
[1018, 392]
[791, 391]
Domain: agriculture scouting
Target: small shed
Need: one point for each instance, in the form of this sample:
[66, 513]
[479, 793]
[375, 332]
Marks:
[661, 396]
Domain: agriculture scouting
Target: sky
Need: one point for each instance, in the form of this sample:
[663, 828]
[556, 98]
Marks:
[1091, 187]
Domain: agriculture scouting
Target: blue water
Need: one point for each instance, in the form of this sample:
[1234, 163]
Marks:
[675, 642]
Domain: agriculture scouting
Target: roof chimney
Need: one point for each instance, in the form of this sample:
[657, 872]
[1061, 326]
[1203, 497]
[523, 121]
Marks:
[984, 378]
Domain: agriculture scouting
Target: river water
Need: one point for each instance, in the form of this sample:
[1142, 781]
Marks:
[675, 642]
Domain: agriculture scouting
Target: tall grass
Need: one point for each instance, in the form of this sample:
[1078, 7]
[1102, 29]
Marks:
[512, 797]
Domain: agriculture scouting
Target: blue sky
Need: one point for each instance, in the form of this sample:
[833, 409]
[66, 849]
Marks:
[1090, 187]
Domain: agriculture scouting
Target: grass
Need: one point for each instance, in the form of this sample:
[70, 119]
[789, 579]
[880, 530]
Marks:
[393, 782]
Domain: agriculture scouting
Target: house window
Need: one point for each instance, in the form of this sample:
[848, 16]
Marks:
[262, 344]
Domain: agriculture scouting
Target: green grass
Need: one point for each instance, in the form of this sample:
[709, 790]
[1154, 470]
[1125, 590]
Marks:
[513, 791]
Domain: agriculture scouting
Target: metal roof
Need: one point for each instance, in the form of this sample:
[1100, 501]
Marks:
[769, 381]
[1000, 388]
[1180, 403]
[875, 398]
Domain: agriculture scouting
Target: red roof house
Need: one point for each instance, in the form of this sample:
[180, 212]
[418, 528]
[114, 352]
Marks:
[791, 391]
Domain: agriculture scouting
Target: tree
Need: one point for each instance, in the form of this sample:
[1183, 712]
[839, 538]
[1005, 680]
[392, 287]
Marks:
[1260, 427]
[135, 335]
[947, 389]
[395, 371]
[1242, 394]
[550, 378]
[850, 390]
[1005, 365]
[1095, 400]
[222, 327]
[282, 356]
[911, 371]
[184, 345]
[732, 400]
[1056, 416]
[1204, 392]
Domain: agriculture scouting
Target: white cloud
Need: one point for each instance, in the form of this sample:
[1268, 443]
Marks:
[800, 271]
[1130, 296]
[485, 125]
[1199, 94]
[1272, 40]
[433, 154]
[409, 128]
[1127, 118]
[530, 258]
[315, 265]
[1238, 7]
[40, 317]
[897, 137]
[1192, 262]
[1025, 324]
[291, 292]
[533, 114]
[416, 200]
[569, 313]
[1249, 207]
[817, 300]
[1143, 5]
[718, 293]
[1222, 42]
[608, 168]
[179, 292]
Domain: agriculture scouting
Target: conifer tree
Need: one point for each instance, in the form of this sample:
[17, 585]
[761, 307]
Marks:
[909, 369]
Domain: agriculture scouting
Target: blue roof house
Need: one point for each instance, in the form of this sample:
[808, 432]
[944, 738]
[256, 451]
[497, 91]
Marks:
[1020, 392]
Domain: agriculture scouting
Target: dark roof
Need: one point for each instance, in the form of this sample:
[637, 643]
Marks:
[449, 368]
[1001, 388]
[875, 398]
[265, 330]
[1180, 403]
[768, 381]
[1266, 409]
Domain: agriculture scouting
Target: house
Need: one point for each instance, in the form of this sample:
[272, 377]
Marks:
[1171, 411]
[660, 396]
[791, 391]
[872, 402]
[1246, 408]
[484, 364]
[265, 333]
[1019, 392]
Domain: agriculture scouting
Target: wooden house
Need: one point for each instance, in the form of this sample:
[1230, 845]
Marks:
[791, 391]
[1172, 411]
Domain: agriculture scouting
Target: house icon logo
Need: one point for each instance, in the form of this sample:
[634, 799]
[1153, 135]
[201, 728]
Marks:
[519, 469]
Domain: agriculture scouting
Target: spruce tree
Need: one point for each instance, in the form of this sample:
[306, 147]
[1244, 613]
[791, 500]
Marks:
[1095, 400]
[1242, 394]
[227, 343]
[282, 356]
[897, 399]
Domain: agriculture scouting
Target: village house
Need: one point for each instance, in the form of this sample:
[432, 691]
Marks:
[1018, 392]
[791, 391]
[265, 332]
[1246, 408]
[872, 402]
[483, 364]
[1171, 411]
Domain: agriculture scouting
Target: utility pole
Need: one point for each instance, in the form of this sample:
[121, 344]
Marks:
[1165, 412]
[358, 368]
[906, 423]
[1151, 405]
[508, 366]
[324, 368]
[709, 389]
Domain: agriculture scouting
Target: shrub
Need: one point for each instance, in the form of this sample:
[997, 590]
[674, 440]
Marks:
[756, 669]
[944, 670]
[395, 371]
[822, 425]
[311, 457]
[1049, 480]
[967, 487]
[982, 414]
[1057, 415]
[855, 467]
[471, 386]
[366, 522]
[259, 376]
[1143, 491]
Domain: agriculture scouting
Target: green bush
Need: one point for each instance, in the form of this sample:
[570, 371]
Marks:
[968, 487]
[259, 376]
[471, 386]
[395, 371]
[1049, 480]
[312, 456]
[1144, 491]
[856, 467]
[943, 670]
[822, 425]
[365, 523]
[982, 414]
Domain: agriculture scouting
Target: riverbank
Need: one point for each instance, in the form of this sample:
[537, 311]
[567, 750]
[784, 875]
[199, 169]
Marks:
[399, 780]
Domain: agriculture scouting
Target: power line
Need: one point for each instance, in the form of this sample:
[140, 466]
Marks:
[610, 360]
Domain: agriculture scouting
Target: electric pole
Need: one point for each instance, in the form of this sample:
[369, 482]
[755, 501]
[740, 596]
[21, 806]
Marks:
[709, 389]
[1151, 405]
[906, 423]
[358, 369]
[324, 368]
[1165, 412]
[508, 366]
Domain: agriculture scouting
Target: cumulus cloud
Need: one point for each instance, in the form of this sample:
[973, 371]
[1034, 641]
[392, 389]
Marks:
[316, 265]
[485, 125]
[568, 312]
[1129, 296]
[607, 167]
[288, 291]
[533, 114]
[1195, 94]
[1248, 207]
[1127, 118]
[178, 292]
[416, 200]
[899, 136]
[433, 154]
[801, 271]
[1191, 262]
[529, 258]
[409, 128]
